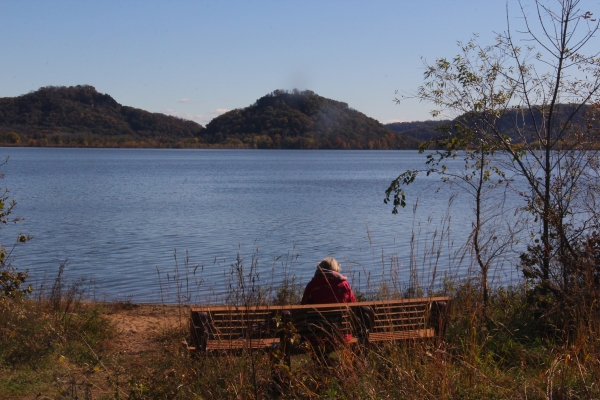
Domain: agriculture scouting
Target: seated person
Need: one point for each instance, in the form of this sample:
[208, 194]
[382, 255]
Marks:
[328, 285]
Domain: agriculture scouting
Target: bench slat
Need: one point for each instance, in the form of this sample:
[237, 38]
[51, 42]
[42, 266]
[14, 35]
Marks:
[399, 320]
[244, 335]
[239, 344]
[403, 311]
[242, 320]
[384, 315]
[379, 303]
[392, 336]
[399, 328]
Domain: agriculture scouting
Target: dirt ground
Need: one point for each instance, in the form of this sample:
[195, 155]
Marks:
[140, 324]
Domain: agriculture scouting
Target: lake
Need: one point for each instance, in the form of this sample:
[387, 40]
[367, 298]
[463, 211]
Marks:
[119, 217]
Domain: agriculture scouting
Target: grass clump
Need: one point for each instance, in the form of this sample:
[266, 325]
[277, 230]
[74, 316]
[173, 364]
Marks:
[43, 338]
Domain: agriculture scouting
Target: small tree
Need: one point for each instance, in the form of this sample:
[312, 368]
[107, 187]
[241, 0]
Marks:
[481, 179]
[537, 104]
[11, 280]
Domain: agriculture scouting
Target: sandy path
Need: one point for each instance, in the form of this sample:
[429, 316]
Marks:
[140, 324]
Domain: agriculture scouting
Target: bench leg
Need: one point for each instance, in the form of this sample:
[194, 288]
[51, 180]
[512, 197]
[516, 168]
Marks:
[365, 320]
[321, 349]
[198, 330]
[286, 339]
[439, 320]
[281, 355]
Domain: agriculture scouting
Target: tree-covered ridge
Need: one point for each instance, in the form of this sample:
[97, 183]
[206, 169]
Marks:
[421, 130]
[301, 120]
[80, 115]
[516, 123]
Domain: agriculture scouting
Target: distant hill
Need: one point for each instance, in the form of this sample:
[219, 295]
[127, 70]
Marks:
[80, 116]
[425, 130]
[420, 130]
[301, 120]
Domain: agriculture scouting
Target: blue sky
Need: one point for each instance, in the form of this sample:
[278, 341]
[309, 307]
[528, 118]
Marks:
[196, 59]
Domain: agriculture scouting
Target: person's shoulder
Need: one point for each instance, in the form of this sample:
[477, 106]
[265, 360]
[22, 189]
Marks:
[345, 283]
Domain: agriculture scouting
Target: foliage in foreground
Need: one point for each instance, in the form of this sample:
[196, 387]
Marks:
[62, 348]
[38, 337]
[11, 280]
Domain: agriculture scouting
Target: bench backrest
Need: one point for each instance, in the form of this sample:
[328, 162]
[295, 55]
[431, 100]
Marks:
[316, 321]
[260, 323]
[395, 316]
[231, 323]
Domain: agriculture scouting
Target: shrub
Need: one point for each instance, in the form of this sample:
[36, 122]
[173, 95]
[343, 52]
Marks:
[11, 280]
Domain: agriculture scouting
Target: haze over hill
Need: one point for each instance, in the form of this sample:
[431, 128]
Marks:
[301, 120]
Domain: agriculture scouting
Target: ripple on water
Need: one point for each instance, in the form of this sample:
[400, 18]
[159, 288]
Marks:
[118, 215]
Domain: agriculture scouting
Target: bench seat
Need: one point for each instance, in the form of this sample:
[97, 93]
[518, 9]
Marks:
[374, 337]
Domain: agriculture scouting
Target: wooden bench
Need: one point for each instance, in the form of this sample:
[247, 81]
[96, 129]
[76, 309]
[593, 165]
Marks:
[227, 329]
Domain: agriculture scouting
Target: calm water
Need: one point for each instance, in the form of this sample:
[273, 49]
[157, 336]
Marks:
[119, 215]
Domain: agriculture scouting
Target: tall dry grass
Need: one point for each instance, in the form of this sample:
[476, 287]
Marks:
[59, 346]
[39, 334]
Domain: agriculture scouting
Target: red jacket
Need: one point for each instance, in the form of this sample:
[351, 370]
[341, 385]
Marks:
[328, 287]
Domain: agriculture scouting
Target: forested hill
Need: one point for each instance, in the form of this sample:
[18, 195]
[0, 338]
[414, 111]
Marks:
[421, 130]
[80, 116]
[425, 130]
[301, 120]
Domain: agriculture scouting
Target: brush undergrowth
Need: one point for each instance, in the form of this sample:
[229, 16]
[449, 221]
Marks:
[58, 346]
[42, 338]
